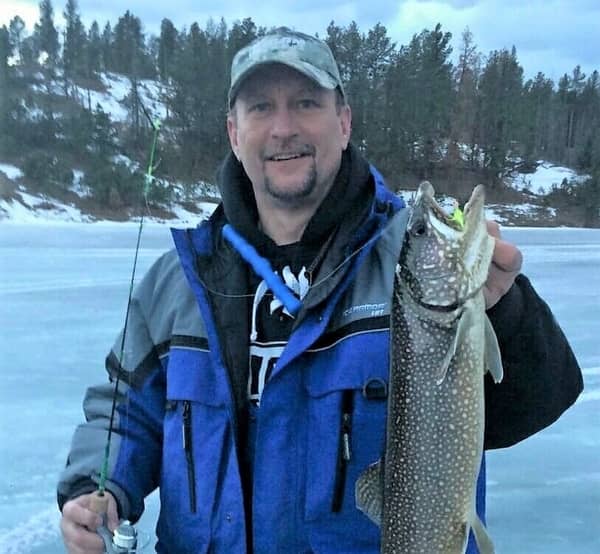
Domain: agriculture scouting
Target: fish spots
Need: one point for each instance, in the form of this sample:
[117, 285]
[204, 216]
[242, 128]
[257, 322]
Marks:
[435, 431]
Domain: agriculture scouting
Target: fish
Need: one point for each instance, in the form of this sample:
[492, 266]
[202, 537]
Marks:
[422, 492]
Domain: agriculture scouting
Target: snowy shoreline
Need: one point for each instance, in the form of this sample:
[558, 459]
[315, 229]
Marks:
[23, 206]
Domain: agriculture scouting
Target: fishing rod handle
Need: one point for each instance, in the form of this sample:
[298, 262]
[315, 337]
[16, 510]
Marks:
[99, 502]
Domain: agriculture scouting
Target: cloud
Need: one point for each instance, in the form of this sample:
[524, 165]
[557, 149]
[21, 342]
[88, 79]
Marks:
[550, 35]
[27, 10]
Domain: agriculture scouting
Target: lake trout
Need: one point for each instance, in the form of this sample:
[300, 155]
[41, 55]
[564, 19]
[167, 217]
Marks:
[441, 342]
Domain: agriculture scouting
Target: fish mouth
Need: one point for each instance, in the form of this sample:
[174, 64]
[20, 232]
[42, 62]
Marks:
[428, 209]
[446, 261]
[429, 213]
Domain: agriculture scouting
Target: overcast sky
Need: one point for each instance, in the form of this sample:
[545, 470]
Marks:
[552, 36]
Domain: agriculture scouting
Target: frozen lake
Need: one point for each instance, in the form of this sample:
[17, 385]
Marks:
[63, 292]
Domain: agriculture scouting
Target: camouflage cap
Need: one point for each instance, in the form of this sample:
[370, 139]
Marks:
[308, 55]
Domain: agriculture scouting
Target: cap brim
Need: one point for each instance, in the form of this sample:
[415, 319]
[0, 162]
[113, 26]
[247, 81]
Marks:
[322, 78]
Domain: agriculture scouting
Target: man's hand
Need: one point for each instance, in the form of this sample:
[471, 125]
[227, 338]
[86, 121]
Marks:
[506, 265]
[78, 525]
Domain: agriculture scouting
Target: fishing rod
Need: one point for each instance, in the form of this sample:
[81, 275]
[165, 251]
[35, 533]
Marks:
[125, 539]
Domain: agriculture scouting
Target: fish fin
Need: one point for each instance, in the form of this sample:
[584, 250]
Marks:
[369, 492]
[451, 352]
[493, 359]
[484, 543]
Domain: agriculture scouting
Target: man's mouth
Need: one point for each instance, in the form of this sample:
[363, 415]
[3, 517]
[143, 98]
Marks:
[284, 156]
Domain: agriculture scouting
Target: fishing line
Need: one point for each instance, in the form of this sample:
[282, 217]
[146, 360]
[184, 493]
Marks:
[148, 178]
[316, 284]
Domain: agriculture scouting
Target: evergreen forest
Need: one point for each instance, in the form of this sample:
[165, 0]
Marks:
[436, 108]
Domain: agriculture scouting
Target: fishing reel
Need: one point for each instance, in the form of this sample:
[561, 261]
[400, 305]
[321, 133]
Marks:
[124, 540]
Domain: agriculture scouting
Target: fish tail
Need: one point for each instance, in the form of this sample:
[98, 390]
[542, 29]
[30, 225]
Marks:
[484, 543]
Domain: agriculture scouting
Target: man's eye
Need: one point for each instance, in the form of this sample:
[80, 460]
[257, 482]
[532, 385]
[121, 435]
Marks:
[259, 107]
[306, 103]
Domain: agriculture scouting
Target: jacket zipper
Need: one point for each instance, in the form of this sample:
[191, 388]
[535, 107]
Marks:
[344, 450]
[234, 415]
[189, 453]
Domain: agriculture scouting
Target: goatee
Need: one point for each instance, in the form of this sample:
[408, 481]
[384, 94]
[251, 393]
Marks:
[291, 194]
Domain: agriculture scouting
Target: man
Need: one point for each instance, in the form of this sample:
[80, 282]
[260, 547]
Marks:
[244, 375]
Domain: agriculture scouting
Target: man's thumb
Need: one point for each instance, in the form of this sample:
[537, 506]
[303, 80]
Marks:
[112, 514]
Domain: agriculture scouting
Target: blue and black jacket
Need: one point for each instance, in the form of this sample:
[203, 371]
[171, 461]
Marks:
[182, 425]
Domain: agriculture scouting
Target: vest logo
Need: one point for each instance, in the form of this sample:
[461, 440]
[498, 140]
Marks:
[366, 310]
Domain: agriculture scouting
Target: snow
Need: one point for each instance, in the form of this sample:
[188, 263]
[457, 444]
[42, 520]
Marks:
[184, 217]
[119, 87]
[33, 113]
[125, 160]
[37, 209]
[77, 186]
[545, 177]
[112, 99]
[11, 171]
[151, 93]
[492, 214]
[29, 208]
[500, 213]
[116, 89]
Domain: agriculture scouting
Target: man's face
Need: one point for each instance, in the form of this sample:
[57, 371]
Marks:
[289, 135]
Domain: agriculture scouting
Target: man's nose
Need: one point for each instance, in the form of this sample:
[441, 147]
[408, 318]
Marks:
[284, 124]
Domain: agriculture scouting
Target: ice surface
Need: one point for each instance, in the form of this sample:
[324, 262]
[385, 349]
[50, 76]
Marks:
[63, 290]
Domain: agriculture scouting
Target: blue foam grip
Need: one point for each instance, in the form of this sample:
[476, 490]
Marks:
[263, 268]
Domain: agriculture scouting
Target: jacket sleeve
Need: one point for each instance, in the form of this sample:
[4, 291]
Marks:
[135, 446]
[541, 375]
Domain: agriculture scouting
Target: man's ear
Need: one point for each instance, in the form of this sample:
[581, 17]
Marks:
[346, 123]
[232, 133]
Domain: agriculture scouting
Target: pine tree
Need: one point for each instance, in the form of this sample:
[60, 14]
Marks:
[129, 48]
[94, 51]
[536, 118]
[240, 35]
[464, 115]
[46, 35]
[5, 53]
[107, 42]
[436, 94]
[167, 49]
[74, 48]
[588, 147]
[375, 62]
[16, 29]
[500, 88]
[28, 54]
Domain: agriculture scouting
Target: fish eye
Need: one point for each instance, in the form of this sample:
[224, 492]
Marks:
[418, 228]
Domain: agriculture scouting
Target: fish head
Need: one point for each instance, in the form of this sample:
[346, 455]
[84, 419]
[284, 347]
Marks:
[445, 261]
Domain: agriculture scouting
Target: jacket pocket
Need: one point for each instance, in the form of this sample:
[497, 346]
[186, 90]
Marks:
[346, 431]
[196, 439]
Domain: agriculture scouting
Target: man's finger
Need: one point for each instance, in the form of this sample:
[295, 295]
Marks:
[78, 512]
[493, 228]
[497, 285]
[506, 256]
[506, 264]
[112, 515]
[79, 524]
[80, 540]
